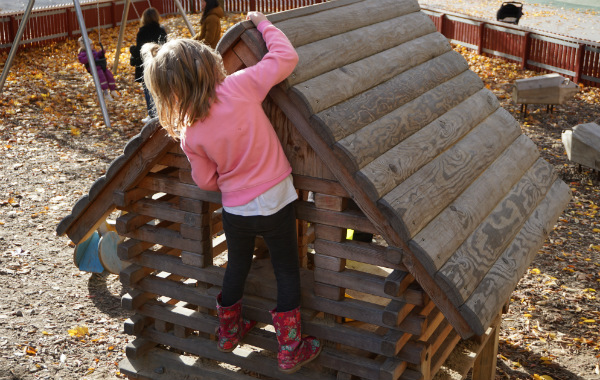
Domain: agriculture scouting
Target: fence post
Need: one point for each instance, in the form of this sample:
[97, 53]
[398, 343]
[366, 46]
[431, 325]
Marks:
[480, 37]
[252, 5]
[442, 18]
[13, 27]
[113, 13]
[579, 63]
[68, 22]
[526, 48]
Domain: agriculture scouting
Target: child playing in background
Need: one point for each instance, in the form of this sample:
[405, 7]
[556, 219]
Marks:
[233, 148]
[107, 80]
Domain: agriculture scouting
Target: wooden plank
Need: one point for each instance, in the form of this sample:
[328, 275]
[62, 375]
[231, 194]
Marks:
[397, 282]
[394, 341]
[131, 222]
[339, 84]
[355, 280]
[167, 211]
[139, 162]
[160, 364]
[357, 251]
[255, 362]
[426, 193]
[322, 186]
[391, 129]
[446, 349]
[125, 198]
[395, 312]
[346, 219]
[131, 248]
[326, 264]
[485, 364]
[437, 241]
[495, 288]
[166, 184]
[330, 202]
[133, 273]
[135, 324]
[349, 116]
[329, 292]
[321, 56]
[135, 298]
[138, 348]
[165, 237]
[391, 168]
[323, 231]
[462, 273]
[350, 17]
[175, 160]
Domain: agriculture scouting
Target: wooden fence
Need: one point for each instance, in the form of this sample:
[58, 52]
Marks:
[60, 22]
[576, 59]
[573, 58]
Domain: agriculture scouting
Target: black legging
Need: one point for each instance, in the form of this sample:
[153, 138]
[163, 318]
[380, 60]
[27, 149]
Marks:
[279, 232]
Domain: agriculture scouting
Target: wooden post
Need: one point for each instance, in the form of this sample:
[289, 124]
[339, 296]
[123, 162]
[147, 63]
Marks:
[579, 63]
[485, 364]
[68, 23]
[480, 38]
[13, 27]
[442, 24]
[525, 52]
[113, 14]
[252, 5]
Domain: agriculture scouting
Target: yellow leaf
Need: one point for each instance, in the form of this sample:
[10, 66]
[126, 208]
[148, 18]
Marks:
[75, 131]
[79, 331]
[589, 321]
[546, 377]
[535, 271]
[527, 315]
[596, 230]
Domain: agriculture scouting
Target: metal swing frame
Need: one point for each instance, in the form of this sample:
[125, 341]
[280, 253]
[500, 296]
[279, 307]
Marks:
[88, 49]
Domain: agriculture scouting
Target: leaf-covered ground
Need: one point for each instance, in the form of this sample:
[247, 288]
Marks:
[59, 323]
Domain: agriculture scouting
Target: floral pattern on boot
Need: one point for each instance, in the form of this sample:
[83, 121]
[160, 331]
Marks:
[232, 327]
[294, 351]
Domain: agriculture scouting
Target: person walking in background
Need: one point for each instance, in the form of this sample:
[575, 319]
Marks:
[210, 23]
[150, 31]
[233, 148]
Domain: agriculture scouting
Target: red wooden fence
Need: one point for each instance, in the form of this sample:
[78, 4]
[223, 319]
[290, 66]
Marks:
[576, 59]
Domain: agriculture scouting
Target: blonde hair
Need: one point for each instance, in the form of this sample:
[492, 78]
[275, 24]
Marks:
[150, 16]
[182, 76]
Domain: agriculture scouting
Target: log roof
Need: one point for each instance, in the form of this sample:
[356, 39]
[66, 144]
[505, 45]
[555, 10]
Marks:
[424, 150]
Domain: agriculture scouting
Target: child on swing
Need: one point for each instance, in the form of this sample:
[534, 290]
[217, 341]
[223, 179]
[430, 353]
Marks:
[105, 76]
[232, 147]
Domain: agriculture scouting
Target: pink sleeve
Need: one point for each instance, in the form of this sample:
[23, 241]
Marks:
[204, 170]
[256, 81]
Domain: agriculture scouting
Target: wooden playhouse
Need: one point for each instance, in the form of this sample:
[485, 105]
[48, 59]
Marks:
[388, 133]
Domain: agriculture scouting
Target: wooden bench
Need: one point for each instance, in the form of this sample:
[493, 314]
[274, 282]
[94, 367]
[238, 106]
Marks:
[550, 89]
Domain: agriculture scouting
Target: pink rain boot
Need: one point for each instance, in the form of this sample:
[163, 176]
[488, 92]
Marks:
[232, 327]
[294, 351]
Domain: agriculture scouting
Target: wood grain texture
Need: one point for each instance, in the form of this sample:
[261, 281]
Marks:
[342, 83]
[437, 241]
[377, 138]
[324, 55]
[166, 184]
[141, 159]
[462, 273]
[330, 22]
[495, 288]
[390, 169]
[302, 157]
[431, 189]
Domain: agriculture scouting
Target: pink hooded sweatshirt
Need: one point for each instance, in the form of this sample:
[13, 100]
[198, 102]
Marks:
[235, 150]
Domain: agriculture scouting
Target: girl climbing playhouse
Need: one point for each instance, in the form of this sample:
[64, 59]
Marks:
[397, 138]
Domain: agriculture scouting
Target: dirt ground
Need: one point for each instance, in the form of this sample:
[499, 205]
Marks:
[59, 323]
